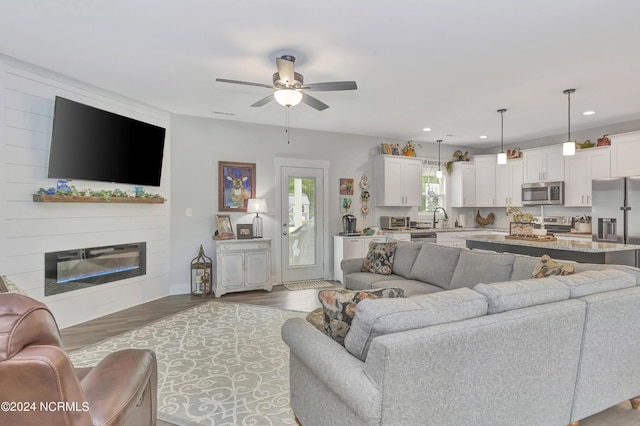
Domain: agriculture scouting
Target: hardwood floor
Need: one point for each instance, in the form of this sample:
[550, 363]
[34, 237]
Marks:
[96, 330]
[302, 300]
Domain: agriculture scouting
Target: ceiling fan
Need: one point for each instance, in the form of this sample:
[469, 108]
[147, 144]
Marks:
[289, 88]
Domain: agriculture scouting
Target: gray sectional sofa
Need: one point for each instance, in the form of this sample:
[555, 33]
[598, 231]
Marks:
[479, 342]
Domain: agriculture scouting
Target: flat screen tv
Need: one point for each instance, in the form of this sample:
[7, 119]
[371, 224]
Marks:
[92, 144]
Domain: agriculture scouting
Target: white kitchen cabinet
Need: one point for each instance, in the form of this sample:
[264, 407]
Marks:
[580, 169]
[462, 185]
[485, 177]
[509, 183]
[242, 265]
[544, 164]
[351, 248]
[624, 154]
[455, 238]
[398, 181]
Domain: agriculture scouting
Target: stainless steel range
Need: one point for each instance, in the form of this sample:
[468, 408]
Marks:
[423, 235]
[556, 224]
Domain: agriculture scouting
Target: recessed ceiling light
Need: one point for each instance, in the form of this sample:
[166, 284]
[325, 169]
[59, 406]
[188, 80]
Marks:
[588, 113]
[483, 137]
[426, 129]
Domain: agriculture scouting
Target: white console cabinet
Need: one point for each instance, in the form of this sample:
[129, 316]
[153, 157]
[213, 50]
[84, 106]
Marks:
[351, 248]
[242, 265]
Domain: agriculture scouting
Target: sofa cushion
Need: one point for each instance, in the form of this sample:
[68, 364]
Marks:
[523, 267]
[435, 264]
[474, 268]
[8, 286]
[385, 316]
[410, 287]
[339, 308]
[367, 280]
[590, 282]
[406, 254]
[547, 267]
[379, 259]
[505, 296]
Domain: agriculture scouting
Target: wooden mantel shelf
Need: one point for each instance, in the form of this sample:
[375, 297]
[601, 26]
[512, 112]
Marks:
[43, 198]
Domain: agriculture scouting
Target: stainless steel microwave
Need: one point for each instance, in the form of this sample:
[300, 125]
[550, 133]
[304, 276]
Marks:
[542, 193]
[394, 222]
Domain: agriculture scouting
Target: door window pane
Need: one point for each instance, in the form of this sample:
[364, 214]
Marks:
[302, 232]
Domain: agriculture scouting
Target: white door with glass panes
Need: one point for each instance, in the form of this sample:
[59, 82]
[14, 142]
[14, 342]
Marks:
[302, 223]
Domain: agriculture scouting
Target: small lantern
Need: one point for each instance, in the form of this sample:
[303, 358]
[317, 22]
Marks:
[201, 274]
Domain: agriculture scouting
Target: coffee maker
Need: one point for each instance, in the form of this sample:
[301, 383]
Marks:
[349, 225]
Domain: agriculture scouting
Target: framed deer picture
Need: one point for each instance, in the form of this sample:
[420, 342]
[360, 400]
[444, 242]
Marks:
[236, 184]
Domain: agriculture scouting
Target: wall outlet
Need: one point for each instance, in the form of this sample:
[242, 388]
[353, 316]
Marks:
[189, 212]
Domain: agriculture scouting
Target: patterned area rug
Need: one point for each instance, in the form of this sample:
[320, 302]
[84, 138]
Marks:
[218, 364]
[304, 285]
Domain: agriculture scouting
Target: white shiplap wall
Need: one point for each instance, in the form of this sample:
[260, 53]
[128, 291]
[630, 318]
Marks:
[29, 229]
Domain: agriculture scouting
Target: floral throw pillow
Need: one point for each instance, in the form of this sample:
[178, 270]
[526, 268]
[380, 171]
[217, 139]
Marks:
[379, 259]
[339, 308]
[548, 267]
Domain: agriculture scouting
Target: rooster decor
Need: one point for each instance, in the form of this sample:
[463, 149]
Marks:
[484, 222]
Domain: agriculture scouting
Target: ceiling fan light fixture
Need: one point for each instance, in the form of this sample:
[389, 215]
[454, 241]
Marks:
[287, 97]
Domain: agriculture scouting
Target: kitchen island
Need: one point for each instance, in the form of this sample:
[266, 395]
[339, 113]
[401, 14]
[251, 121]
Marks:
[568, 249]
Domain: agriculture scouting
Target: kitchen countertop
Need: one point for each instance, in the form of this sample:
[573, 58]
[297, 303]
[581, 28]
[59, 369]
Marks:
[404, 231]
[586, 246]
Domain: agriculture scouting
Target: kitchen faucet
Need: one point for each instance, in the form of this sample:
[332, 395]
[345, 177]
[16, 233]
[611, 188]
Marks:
[434, 215]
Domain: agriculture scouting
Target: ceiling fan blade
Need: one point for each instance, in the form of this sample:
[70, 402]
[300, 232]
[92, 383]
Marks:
[285, 70]
[334, 85]
[313, 102]
[263, 101]
[246, 83]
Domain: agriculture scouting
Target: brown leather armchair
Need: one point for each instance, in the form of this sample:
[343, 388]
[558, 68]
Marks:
[38, 384]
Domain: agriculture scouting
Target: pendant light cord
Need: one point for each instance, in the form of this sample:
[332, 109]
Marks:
[569, 115]
[502, 111]
[286, 129]
[439, 143]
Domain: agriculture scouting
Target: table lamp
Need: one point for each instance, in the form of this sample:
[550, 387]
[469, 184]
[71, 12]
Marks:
[257, 206]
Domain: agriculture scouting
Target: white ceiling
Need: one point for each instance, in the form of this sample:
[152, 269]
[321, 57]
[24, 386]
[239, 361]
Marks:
[446, 64]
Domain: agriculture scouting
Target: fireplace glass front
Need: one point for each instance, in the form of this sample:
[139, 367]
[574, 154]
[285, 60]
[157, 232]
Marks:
[81, 268]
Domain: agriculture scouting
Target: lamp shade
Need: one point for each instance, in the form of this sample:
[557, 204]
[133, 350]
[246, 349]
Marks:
[287, 97]
[257, 205]
[569, 148]
[502, 158]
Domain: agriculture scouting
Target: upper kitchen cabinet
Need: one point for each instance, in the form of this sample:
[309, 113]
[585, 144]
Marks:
[485, 177]
[398, 181]
[624, 154]
[509, 183]
[544, 164]
[462, 185]
[580, 169]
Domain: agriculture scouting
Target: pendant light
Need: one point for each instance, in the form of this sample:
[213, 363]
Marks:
[502, 156]
[569, 147]
[439, 171]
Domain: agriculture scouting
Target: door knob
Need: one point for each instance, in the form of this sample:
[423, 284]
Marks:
[284, 233]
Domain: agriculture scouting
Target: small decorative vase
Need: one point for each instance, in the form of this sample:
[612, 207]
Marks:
[409, 153]
[62, 186]
[139, 191]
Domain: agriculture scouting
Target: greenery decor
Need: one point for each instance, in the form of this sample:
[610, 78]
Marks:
[106, 194]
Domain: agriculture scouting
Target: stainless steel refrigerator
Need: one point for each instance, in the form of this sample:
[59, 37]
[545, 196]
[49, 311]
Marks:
[615, 210]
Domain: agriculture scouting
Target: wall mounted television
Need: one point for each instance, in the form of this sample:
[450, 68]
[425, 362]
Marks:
[92, 144]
